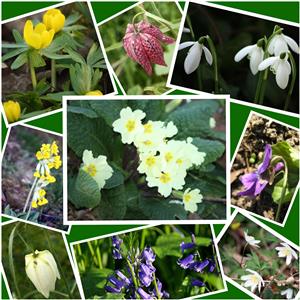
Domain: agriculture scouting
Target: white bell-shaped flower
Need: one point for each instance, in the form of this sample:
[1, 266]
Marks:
[255, 55]
[280, 67]
[193, 58]
[42, 270]
[281, 43]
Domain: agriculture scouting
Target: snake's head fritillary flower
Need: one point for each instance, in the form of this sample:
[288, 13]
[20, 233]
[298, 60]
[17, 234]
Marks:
[253, 280]
[142, 43]
[37, 37]
[54, 19]
[280, 66]
[42, 270]
[280, 43]
[12, 110]
[254, 53]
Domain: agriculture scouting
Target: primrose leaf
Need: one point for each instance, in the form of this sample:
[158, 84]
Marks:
[86, 192]
[115, 180]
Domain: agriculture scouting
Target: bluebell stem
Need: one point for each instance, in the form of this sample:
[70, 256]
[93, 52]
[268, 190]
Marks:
[162, 294]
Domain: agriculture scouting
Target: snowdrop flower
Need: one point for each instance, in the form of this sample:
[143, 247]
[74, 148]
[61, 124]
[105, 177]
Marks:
[212, 122]
[193, 58]
[253, 280]
[254, 53]
[129, 124]
[281, 43]
[42, 270]
[186, 30]
[251, 240]
[97, 167]
[191, 198]
[286, 251]
[288, 293]
[280, 66]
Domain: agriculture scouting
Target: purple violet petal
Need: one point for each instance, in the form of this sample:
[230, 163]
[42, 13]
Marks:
[279, 166]
[248, 179]
[260, 186]
[266, 161]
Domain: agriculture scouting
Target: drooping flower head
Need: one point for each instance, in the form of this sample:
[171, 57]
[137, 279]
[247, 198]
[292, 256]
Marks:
[116, 242]
[37, 37]
[142, 43]
[197, 282]
[251, 240]
[254, 183]
[186, 261]
[280, 43]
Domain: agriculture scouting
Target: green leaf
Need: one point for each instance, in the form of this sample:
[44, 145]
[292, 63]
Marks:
[36, 59]
[115, 180]
[56, 56]
[154, 109]
[192, 119]
[86, 192]
[213, 149]
[19, 61]
[57, 97]
[73, 18]
[13, 53]
[82, 110]
[278, 189]
[17, 36]
[91, 134]
[109, 110]
[169, 244]
[162, 209]
[75, 56]
[94, 55]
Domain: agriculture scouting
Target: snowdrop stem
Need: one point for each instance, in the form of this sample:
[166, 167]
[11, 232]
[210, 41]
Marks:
[263, 86]
[258, 87]
[292, 84]
[215, 62]
[283, 191]
[189, 23]
[53, 74]
[11, 260]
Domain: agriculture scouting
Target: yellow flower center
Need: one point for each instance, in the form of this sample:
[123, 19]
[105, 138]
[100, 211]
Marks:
[130, 125]
[187, 198]
[179, 161]
[165, 178]
[254, 279]
[150, 161]
[148, 128]
[147, 143]
[168, 156]
[286, 252]
[91, 169]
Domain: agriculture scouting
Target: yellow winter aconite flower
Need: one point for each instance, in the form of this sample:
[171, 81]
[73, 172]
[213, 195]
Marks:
[41, 269]
[12, 110]
[54, 19]
[37, 37]
[94, 93]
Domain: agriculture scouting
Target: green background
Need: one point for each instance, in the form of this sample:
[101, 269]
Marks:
[102, 10]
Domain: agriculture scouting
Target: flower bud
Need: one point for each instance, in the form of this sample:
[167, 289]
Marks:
[94, 93]
[12, 111]
[42, 270]
[54, 19]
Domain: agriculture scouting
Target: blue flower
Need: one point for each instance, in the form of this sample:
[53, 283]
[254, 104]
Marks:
[212, 265]
[113, 290]
[116, 241]
[197, 282]
[123, 277]
[148, 255]
[162, 294]
[146, 274]
[184, 246]
[199, 266]
[143, 294]
[186, 262]
[117, 254]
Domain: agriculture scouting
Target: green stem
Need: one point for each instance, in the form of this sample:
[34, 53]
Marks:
[291, 88]
[215, 258]
[189, 23]
[143, 237]
[98, 253]
[263, 86]
[215, 62]
[29, 195]
[32, 73]
[258, 87]
[24, 242]
[11, 260]
[135, 16]
[92, 252]
[132, 275]
[241, 263]
[53, 74]
[156, 287]
[81, 263]
[284, 187]
[61, 272]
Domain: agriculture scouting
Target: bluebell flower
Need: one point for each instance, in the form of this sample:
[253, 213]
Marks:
[146, 274]
[184, 246]
[113, 290]
[162, 294]
[186, 262]
[117, 254]
[197, 282]
[212, 265]
[123, 277]
[143, 294]
[117, 283]
[116, 241]
[148, 255]
[199, 266]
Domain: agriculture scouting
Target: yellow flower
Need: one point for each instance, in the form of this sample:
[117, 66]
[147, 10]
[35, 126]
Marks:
[12, 110]
[54, 148]
[54, 19]
[37, 37]
[94, 93]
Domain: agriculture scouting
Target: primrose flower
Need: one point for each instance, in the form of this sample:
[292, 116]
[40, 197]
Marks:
[193, 58]
[150, 164]
[281, 43]
[212, 122]
[12, 110]
[253, 280]
[37, 37]
[94, 93]
[42, 270]
[254, 53]
[288, 293]
[54, 19]
[255, 182]
[191, 198]
[97, 167]
[286, 251]
[251, 240]
[142, 44]
[129, 124]
[279, 66]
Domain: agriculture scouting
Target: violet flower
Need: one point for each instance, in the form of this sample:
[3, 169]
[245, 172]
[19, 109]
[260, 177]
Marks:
[197, 282]
[142, 44]
[255, 182]
[186, 262]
